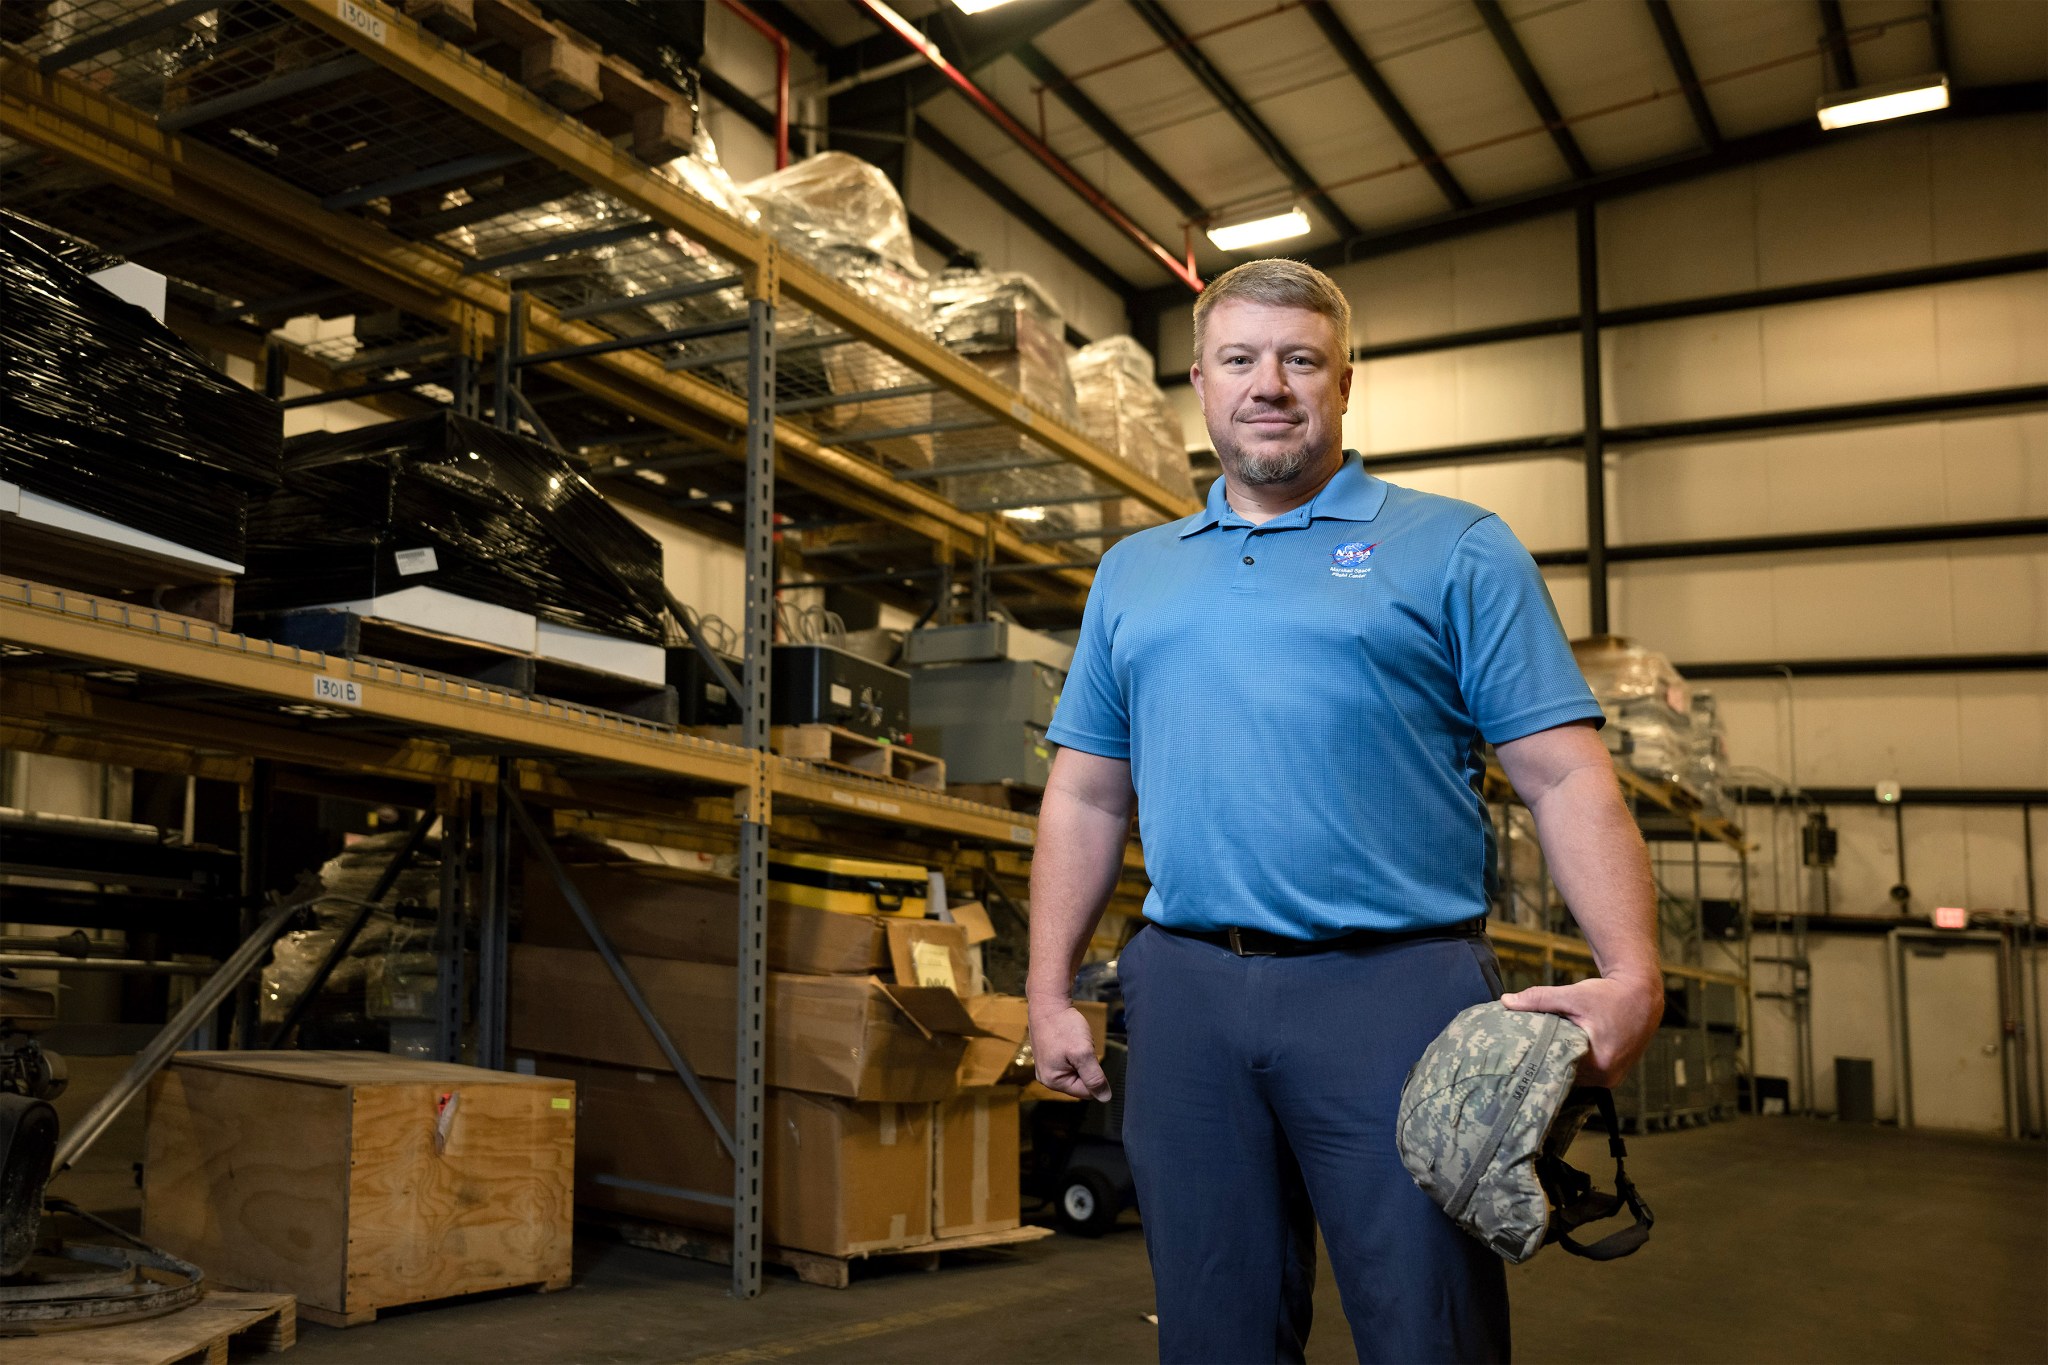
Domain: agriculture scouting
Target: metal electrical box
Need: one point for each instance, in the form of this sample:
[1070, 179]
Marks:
[985, 694]
[820, 685]
[1015, 752]
[983, 641]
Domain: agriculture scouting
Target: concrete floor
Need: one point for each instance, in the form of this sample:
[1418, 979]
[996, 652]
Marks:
[1776, 1240]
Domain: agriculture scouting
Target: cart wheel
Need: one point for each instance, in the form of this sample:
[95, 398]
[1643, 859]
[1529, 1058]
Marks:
[1087, 1203]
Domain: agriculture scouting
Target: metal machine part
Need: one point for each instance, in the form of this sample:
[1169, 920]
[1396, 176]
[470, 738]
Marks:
[90, 1285]
[984, 641]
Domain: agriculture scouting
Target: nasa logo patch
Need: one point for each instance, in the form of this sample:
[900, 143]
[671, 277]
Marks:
[1349, 559]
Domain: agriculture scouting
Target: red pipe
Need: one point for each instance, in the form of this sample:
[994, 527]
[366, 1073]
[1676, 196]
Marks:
[773, 35]
[1184, 271]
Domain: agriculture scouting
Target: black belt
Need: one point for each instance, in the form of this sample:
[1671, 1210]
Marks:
[1259, 943]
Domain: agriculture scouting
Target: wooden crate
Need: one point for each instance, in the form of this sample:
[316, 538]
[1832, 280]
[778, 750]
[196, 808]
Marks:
[359, 1181]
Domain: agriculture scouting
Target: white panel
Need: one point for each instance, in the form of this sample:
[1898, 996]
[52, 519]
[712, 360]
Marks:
[1404, 403]
[1725, 39]
[1177, 339]
[1990, 187]
[1686, 241]
[1691, 367]
[1601, 64]
[1182, 400]
[1408, 294]
[1463, 94]
[1851, 1015]
[1516, 274]
[2001, 596]
[1518, 388]
[1996, 466]
[1994, 859]
[1853, 207]
[1690, 492]
[1860, 602]
[1707, 609]
[2002, 726]
[1568, 593]
[1542, 501]
[1993, 333]
[1849, 350]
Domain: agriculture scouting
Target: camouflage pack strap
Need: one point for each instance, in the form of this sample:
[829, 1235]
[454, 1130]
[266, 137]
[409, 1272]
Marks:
[1510, 1109]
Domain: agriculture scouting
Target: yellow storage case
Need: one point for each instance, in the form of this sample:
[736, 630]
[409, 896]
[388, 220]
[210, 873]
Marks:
[848, 886]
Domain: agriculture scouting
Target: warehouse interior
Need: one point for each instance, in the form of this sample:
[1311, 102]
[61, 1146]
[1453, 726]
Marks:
[540, 539]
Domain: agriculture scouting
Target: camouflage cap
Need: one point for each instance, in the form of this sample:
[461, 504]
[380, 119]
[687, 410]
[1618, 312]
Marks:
[1485, 1118]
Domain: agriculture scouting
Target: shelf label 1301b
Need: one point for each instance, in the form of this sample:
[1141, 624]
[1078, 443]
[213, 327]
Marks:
[337, 691]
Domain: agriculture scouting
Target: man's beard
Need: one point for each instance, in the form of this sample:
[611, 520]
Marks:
[1264, 469]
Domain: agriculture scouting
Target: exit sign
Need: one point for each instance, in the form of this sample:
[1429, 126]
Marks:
[1951, 917]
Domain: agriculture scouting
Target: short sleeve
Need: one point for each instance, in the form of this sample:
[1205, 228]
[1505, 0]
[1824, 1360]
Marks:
[1092, 715]
[1515, 668]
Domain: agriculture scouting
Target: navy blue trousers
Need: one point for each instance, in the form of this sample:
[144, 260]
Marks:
[1259, 1103]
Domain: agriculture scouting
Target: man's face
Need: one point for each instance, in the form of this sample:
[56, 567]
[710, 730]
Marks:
[1274, 384]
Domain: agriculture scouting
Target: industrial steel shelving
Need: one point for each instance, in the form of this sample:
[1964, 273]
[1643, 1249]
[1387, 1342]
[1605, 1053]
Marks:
[307, 147]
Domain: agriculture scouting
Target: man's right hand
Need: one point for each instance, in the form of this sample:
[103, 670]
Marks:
[1065, 1048]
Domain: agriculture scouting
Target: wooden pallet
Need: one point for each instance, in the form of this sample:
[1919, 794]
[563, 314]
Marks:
[327, 1317]
[105, 569]
[253, 1322]
[353, 636]
[832, 747]
[1010, 796]
[830, 1272]
[569, 71]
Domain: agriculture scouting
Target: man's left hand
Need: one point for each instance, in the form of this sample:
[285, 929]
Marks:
[1619, 1015]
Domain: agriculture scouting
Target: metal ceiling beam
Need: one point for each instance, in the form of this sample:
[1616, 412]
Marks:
[1103, 126]
[1234, 104]
[970, 169]
[1681, 65]
[1835, 35]
[1161, 255]
[970, 42]
[1390, 106]
[1532, 86]
[794, 26]
[1937, 34]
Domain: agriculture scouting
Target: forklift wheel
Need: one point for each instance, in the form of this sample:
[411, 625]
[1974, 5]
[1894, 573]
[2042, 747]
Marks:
[1087, 1203]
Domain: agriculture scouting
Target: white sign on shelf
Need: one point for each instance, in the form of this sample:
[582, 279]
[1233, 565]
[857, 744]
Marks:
[361, 20]
[337, 691]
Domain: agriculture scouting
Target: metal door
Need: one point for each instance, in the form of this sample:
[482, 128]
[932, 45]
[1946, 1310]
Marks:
[1951, 1032]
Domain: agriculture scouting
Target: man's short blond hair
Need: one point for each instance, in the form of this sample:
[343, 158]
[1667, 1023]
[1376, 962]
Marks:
[1277, 283]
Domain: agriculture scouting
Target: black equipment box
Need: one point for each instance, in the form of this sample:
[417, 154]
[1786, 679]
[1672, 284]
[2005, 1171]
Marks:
[821, 685]
[701, 698]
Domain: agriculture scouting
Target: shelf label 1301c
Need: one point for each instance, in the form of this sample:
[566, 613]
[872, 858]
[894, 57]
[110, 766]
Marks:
[337, 691]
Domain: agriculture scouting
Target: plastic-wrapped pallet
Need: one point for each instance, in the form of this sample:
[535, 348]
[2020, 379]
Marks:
[447, 503]
[621, 270]
[1124, 411]
[1652, 723]
[843, 215]
[1004, 323]
[109, 413]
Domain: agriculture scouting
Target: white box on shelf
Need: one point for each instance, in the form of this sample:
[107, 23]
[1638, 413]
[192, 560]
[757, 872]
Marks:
[626, 658]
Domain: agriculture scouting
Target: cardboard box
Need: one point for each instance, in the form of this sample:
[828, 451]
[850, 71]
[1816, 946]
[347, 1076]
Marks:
[1005, 1020]
[850, 1036]
[357, 1180]
[975, 1153]
[924, 952]
[653, 911]
[840, 1178]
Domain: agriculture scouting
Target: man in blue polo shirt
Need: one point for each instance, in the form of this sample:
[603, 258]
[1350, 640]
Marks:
[1293, 685]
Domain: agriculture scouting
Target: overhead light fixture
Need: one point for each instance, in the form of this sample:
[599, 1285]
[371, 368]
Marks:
[1276, 227]
[1025, 513]
[977, 6]
[1894, 99]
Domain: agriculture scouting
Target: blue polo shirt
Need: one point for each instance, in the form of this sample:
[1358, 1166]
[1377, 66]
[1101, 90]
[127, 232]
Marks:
[1302, 703]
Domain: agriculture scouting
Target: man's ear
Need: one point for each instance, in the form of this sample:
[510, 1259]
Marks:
[1344, 386]
[1195, 377]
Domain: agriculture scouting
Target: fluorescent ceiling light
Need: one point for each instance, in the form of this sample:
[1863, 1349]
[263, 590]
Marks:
[1259, 231]
[1025, 513]
[977, 6]
[1870, 103]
